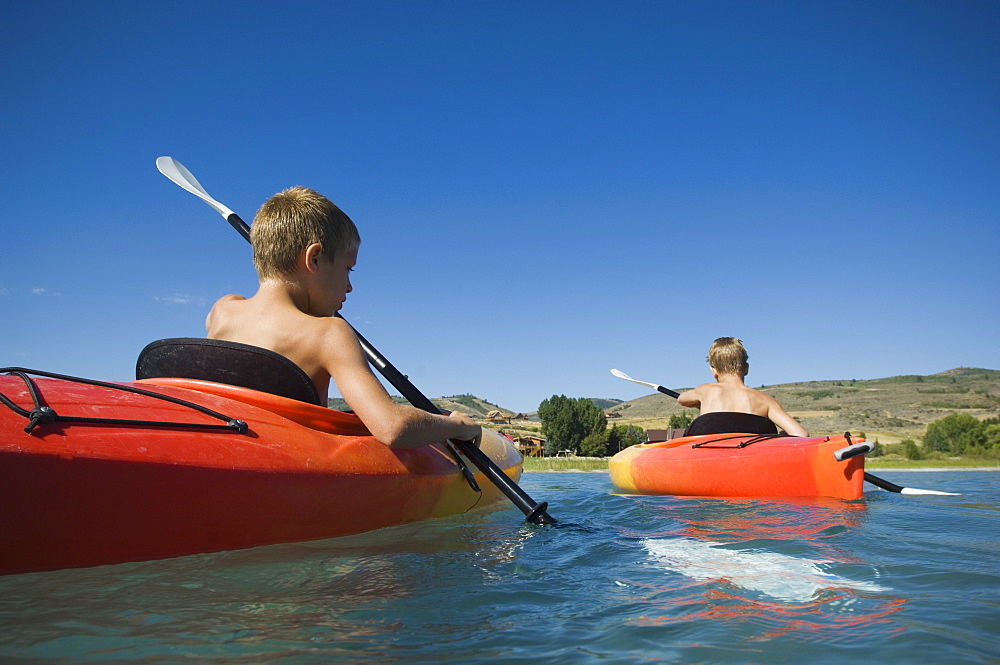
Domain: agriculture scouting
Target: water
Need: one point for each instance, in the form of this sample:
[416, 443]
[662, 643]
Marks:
[620, 580]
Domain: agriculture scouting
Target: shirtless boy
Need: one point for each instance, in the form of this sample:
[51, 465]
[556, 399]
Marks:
[305, 248]
[728, 361]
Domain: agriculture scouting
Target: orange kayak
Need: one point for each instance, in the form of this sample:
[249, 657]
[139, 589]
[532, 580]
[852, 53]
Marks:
[107, 475]
[740, 465]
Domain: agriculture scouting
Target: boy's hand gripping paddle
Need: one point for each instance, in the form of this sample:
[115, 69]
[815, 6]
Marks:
[534, 512]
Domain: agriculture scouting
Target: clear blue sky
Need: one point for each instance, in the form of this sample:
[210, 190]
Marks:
[544, 190]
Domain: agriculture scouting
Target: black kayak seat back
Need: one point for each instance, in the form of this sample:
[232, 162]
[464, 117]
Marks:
[231, 363]
[726, 422]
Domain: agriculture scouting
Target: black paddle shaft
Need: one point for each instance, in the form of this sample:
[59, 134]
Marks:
[534, 512]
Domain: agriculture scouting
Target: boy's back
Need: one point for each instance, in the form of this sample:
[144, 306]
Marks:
[728, 361]
[732, 396]
[265, 321]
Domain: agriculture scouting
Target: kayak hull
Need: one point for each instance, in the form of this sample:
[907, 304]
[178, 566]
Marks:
[77, 495]
[714, 465]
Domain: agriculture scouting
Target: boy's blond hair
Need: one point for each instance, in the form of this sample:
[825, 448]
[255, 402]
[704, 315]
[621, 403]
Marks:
[727, 356]
[290, 221]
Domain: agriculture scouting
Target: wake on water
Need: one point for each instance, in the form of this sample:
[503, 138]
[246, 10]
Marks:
[783, 577]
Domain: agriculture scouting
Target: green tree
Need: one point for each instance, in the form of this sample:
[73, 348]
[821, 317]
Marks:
[679, 420]
[955, 434]
[622, 436]
[614, 440]
[631, 435]
[555, 414]
[911, 450]
[566, 422]
[595, 444]
[992, 435]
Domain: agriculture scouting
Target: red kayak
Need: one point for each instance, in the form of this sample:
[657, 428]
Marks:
[96, 473]
[741, 465]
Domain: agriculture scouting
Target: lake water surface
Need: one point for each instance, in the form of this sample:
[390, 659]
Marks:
[621, 579]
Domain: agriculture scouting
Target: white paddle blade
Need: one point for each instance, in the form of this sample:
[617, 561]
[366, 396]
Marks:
[622, 375]
[184, 179]
[914, 490]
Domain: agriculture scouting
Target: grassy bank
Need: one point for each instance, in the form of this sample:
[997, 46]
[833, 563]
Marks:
[565, 464]
[601, 464]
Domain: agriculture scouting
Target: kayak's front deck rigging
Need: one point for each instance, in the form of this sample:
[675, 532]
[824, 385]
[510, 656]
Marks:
[42, 414]
[741, 444]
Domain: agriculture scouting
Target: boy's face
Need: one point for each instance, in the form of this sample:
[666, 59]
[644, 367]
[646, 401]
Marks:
[335, 277]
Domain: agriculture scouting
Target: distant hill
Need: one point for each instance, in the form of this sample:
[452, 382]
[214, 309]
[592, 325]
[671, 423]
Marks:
[469, 404]
[893, 408]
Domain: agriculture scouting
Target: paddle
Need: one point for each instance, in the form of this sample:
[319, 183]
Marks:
[874, 480]
[666, 391]
[534, 512]
[892, 487]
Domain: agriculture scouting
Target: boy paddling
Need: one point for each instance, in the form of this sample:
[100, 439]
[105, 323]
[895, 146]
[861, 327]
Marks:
[728, 396]
[305, 248]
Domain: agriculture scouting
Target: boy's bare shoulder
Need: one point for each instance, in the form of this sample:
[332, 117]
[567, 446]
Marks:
[706, 389]
[334, 326]
[330, 338]
[218, 316]
[225, 301]
[761, 394]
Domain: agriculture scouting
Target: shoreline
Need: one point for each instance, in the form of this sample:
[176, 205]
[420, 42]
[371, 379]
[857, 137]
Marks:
[600, 464]
[936, 468]
[885, 468]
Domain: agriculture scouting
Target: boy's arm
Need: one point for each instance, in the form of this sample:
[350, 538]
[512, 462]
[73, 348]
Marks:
[690, 398]
[780, 417]
[395, 425]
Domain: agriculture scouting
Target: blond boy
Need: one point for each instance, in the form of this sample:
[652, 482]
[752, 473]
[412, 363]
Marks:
[728, 361]
[304, 250]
